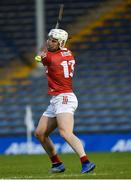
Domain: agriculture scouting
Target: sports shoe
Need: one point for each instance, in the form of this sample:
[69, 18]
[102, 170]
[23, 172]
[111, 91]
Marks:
[58, 168]
[87, 167]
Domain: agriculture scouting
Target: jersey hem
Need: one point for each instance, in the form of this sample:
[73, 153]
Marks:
[57, 93]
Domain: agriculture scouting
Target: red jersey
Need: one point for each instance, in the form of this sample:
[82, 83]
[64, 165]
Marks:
[60, 68]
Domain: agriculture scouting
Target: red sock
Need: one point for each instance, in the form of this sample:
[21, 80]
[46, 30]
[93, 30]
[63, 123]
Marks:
[84, 159]
[55, 159]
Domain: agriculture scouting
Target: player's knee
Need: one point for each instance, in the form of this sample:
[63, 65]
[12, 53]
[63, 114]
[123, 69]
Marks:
[41, 135]
[38, 133]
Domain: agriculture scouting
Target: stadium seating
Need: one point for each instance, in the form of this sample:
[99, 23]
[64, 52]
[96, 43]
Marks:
[72, 10]
[17, 32]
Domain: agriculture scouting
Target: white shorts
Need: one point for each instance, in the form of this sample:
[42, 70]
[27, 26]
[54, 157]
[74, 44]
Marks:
[62, 103]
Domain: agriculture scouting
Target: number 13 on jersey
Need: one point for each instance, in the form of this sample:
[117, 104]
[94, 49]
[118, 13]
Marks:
[68, 72]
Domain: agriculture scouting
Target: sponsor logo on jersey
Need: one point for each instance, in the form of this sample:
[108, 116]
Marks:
[66, 53]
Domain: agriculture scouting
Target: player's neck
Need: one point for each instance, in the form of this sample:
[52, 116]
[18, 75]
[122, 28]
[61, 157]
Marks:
[54, 50]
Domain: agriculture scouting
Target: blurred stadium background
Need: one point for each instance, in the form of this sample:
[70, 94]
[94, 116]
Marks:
[100, 37]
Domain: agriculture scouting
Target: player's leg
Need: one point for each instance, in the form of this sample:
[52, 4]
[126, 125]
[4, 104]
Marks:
[65, 106]
[45, 127]
[65, 123]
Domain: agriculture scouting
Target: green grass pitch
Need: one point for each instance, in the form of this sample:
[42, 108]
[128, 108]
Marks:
[108, 166]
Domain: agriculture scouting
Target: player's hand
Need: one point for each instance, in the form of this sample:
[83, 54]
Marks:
[41, 55]
[38, 58]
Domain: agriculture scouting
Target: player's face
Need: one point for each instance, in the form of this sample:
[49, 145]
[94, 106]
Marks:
[52, 44]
